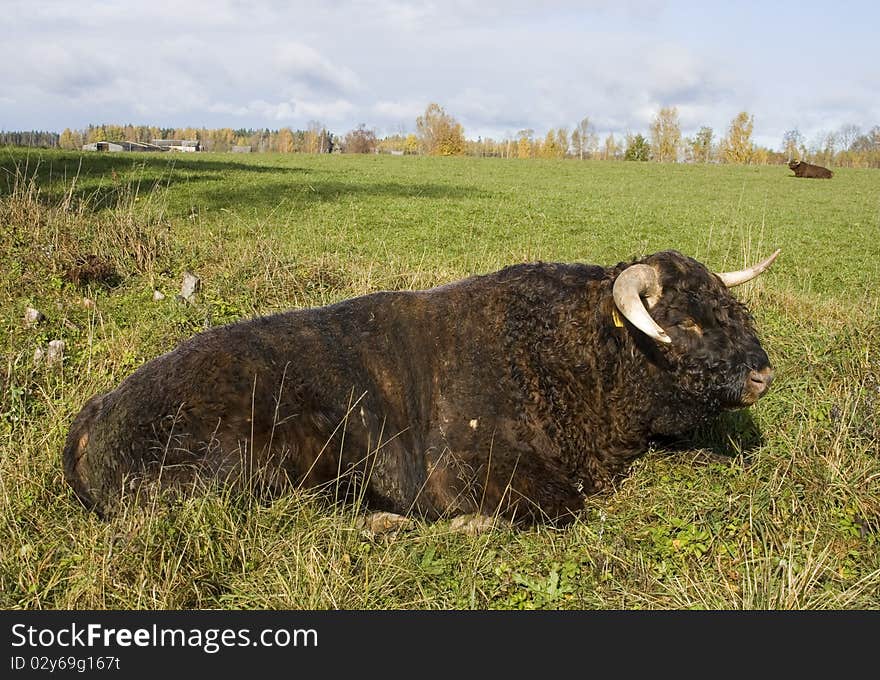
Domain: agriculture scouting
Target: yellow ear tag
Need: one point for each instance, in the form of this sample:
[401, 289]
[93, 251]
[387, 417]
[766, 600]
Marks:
[616, 316]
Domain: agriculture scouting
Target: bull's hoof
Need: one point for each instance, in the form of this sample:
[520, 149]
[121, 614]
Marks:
[383, 523]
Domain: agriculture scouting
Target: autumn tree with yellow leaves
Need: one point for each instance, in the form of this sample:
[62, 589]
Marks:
[738, 147]
[666, 135]
[525, 143]
[440, 134]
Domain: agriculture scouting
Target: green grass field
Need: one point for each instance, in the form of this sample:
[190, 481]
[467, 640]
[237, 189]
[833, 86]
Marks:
[777, 507]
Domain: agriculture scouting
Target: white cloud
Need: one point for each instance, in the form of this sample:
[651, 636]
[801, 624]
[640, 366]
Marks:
[307, 66]
[286, 113]
[400, 110]
[335, 110]
[498, 67]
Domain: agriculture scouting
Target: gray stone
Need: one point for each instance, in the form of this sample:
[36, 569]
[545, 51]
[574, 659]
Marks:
[473, 525]
[191, 286]
[56, 352]
[32, 317]
[384, 523]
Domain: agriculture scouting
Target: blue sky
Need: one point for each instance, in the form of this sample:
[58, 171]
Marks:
[497, 66]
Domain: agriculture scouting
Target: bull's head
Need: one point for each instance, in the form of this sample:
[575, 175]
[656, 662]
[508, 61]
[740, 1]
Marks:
[704, 333]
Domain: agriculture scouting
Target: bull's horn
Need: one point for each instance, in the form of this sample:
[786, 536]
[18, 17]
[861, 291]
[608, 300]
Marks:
[633, 282]
[731, 279]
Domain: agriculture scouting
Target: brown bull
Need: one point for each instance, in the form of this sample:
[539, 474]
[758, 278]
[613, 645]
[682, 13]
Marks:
[514, 392]
[802, 169]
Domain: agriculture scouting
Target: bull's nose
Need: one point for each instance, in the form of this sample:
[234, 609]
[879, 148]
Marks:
[759, 381]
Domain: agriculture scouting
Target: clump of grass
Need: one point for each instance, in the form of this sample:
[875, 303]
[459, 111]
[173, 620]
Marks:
[54, 234]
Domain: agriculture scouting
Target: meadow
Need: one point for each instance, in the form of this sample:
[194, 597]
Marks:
[774, 508]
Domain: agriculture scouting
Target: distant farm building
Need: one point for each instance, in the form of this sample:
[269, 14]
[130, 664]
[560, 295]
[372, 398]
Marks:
[188, 145]
[135, 146]
[241, 149]
[139, 146]
[102, 146]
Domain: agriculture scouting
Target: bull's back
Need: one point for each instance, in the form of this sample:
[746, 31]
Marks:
[278, 388]
[270, 391]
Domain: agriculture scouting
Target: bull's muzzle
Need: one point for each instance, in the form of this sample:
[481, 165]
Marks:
[756, 385]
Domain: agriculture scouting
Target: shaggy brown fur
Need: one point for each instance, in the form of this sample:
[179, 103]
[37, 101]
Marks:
[513, 392]
[802, 169]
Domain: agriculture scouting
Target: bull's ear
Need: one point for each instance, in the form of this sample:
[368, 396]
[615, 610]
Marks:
[633, 282]
[731, 279]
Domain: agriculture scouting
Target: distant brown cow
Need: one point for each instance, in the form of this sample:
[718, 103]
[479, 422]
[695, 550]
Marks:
[802, 169]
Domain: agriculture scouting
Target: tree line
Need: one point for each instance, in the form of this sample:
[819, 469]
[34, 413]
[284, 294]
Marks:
[664, 142]
[439, 133]
[34, 138]
[314, 139]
